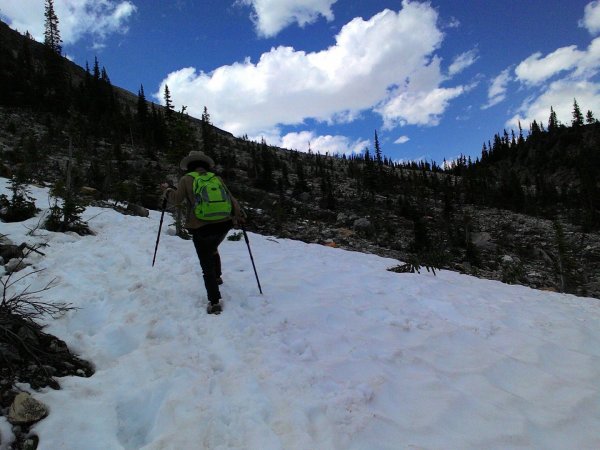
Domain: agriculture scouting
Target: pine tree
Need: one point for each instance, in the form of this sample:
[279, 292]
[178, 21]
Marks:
[104, 76]
[51, 33]
[535, 128]
[552, 121]
[377, 150]
[207, 134]
[142, 105]
[520, 140]
[21, 206]
[589, 117]
[96, 70]
[169, 108]
[54, 85]
[577, 116]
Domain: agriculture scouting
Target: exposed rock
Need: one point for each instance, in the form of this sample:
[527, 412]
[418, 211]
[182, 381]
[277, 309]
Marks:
[26, 410]
[137, 210]
[483, 240]
[14, 265]
[89, 192]
[10, 251]
[30, 443]
[507, 260]
[362, 224]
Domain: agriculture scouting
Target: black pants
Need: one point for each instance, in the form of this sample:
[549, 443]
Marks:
[207, 240]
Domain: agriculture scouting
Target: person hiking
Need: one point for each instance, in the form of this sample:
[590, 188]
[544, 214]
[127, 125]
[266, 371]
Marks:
[212, 212]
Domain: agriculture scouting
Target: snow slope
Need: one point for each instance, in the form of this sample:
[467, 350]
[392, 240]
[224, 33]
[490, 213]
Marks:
[338, 353]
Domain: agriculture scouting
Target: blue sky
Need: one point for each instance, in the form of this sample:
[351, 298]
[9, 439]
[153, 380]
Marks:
[435, 79]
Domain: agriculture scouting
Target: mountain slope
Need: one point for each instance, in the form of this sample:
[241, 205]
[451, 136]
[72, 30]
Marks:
[528, 214]
[339, 353]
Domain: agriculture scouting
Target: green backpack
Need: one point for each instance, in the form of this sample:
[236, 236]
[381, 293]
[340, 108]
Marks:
[213, 202]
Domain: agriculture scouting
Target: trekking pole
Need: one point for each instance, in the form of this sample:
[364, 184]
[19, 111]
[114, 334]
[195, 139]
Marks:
[162, 215]
[251, 258]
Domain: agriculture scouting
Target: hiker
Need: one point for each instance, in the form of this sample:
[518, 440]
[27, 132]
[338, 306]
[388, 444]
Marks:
[207, 222]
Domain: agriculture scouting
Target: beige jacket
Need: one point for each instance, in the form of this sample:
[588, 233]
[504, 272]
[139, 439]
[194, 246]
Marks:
[185, 193]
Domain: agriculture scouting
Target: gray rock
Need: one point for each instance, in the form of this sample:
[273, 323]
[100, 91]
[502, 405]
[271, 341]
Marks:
[137, 210]
[508, 260]
[542, 254]
[14, 265]
[341, 217]
[26, 410]
[483, 240]
[9, 251]
[362, 224]
[89, 192]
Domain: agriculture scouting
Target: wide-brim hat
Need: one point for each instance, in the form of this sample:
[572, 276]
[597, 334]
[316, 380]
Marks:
[194, 156]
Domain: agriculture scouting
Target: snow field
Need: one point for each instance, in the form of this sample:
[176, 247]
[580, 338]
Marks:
[338, 354]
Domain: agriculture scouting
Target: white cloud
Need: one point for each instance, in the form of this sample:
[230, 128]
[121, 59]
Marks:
[498, 87]
[582, 63]
[77, 18]
[462, 61]
[303, 140]
[386, 62]
[402, 140]
[272, 16]
[559, 95]
[418, 108]
[322, 144]
[537, 69]
[591, 19]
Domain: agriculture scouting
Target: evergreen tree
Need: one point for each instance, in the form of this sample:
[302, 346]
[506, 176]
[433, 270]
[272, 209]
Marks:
[169, 108]
[208, 140]
[589, 117]
[21, 206]
[104, 76]
[51, 33]
[577, 115]
[65, 215]
[520, 140]
[552, 121]
[96, 70]
[142, 105]
[377, 150]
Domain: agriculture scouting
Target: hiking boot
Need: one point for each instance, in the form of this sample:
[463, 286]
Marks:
[219, 281]
[214, 308]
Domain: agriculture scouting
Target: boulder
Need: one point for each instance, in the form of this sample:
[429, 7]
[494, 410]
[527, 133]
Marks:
[26, 410]
[362, 224]
[137, 210]
[482, 240]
